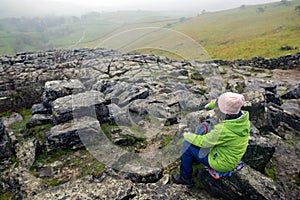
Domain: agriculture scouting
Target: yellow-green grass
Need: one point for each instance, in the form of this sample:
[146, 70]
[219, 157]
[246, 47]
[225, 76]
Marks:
[244, 33]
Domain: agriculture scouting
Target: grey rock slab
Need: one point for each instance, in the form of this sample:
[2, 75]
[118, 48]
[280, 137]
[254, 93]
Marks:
[90, 103]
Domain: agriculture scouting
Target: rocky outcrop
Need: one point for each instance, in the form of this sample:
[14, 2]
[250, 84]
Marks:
[28, 72]
[246, 184]
[107, 187]
[130, 111]
[6, 148]
[22, 183]
[23, 76]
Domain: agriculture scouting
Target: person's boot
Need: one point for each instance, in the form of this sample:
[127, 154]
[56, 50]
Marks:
[176, 178]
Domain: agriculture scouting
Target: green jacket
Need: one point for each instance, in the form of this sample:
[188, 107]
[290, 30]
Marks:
[228, 140]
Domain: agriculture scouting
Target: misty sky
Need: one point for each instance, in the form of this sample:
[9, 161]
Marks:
[16, 8]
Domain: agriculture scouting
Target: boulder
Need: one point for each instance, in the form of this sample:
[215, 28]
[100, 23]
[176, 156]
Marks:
[123, 93]
[123, 136]
[192, 120]
[6, 147]
[69, 135]
[255, 104]
[21, 182]
[155, 109]
[8, 121]
[139, 174]
[259, 151]
[272, 97]
[188, 101]
[244, 184]
[40, 108]
[279, 117]
[39, 119]
[61, 88]
[119, 116]
[87, 188]
[26, 153]
[293, 93]
[103, 85]
[90, 103]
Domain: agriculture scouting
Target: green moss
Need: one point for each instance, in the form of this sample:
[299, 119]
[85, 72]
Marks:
[95, 168]
[6, 114]
[270, 172]
[166, 140]
[81, 161]
[53, 183]
[6, 195]
[197, 76]
[147, 117]
[39, 132]
[18, 127]
[239, 88]
[290, 142]
[201, 92]
[236, 76]
[187, 81]
[167, 123]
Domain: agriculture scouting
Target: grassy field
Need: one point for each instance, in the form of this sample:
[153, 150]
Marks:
[244, 33]
[237, 33]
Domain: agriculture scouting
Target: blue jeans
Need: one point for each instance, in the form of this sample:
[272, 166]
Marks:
[191, 154]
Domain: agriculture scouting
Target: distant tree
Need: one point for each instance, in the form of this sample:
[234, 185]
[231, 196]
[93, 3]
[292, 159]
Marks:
[243, 6]
[260, 10]
[297, 8]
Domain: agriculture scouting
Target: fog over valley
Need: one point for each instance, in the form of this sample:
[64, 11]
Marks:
[33, 8]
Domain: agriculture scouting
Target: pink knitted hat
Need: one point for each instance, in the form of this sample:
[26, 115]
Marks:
[230, 103]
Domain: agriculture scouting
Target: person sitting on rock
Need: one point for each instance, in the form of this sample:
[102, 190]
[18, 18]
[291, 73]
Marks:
[223, 146]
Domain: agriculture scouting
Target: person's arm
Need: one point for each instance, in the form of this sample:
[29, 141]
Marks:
[205, 141]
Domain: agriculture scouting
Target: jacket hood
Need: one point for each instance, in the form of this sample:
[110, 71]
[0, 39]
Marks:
[239, 126]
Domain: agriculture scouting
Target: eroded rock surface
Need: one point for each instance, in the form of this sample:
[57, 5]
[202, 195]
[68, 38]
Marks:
[126, 108]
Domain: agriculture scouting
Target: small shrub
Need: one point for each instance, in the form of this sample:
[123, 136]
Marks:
[197, 76]
[286, 48]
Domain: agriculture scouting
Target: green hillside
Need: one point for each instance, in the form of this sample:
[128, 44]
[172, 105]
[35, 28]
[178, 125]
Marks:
[28, 34]
[268, 30]
[244, 32]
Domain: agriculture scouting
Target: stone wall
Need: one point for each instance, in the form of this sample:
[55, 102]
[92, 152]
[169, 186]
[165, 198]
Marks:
[283, 62]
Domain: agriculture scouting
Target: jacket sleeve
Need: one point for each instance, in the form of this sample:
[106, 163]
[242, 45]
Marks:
[205, 141]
